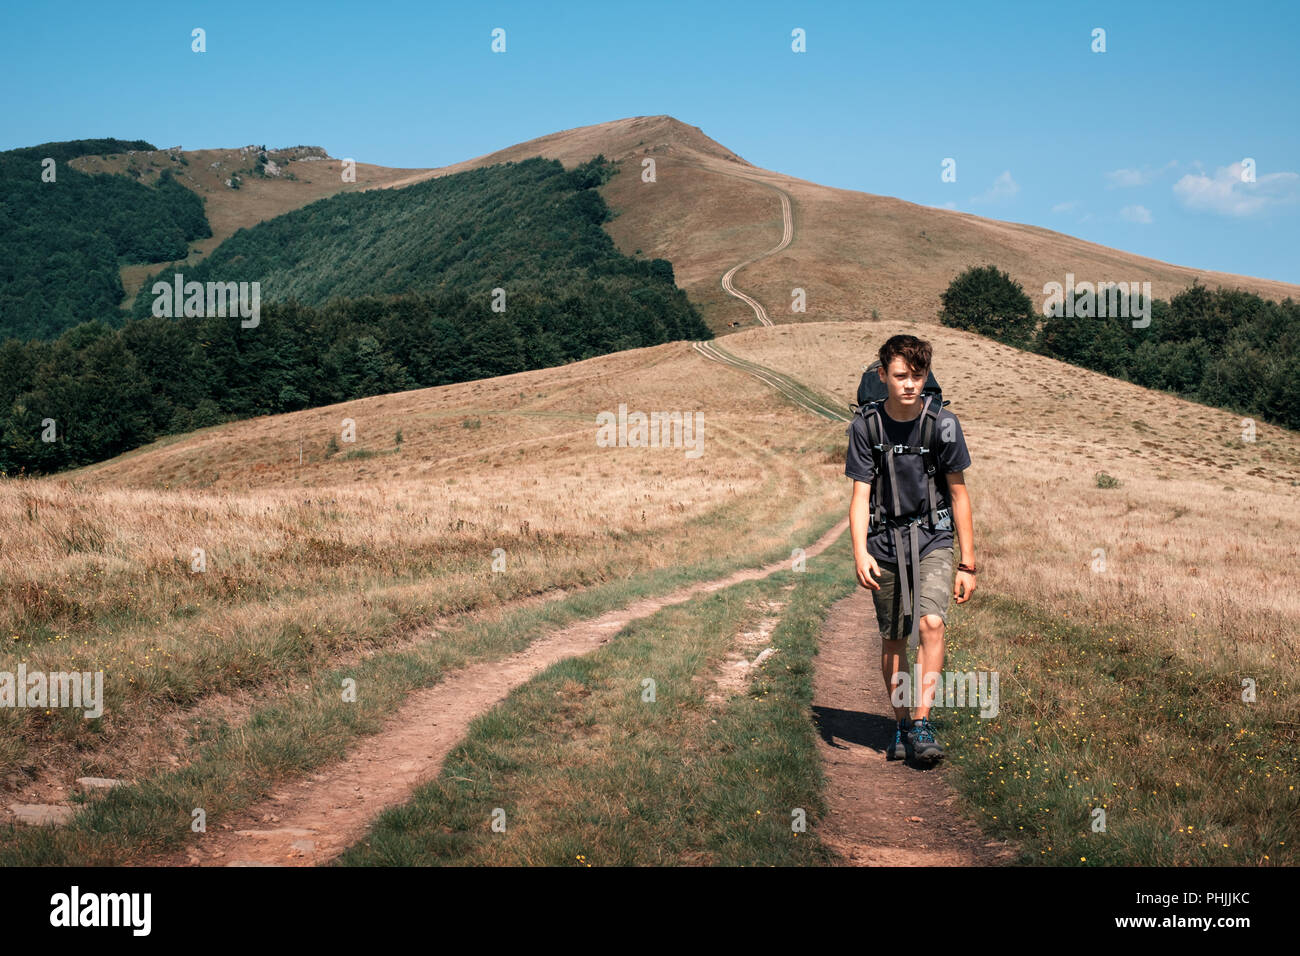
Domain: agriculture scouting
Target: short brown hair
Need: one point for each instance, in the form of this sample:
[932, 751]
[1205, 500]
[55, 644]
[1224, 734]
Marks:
[916, 352]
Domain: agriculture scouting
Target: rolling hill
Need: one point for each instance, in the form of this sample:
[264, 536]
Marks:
[328, 557]
[852, 252]
[291, 178]
[488, 272]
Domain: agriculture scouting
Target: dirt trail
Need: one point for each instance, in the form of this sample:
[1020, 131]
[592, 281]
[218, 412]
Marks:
[870, 800]
[784, 384]
[312, 820]
[787, 234]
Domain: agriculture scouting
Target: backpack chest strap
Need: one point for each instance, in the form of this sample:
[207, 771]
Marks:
[941, 522]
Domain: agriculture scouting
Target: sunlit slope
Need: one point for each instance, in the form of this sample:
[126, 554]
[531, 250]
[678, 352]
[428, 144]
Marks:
[308, 563]
[1192, 549]
[526, 441]
[530, 227]
[707, 210]
[852, 252]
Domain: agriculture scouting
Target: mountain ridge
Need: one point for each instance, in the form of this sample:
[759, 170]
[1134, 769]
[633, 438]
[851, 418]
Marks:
[855, 255]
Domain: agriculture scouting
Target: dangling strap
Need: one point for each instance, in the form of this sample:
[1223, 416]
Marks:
[908, 561]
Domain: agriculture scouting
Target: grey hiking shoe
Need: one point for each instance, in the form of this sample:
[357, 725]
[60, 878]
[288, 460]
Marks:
[902, 744]
[924, 746]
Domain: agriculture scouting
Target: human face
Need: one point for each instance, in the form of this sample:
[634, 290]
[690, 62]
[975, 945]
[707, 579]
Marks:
[904, 384]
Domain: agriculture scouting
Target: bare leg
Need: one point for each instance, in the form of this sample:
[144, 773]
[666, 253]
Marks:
[929, 662]
[893, 659]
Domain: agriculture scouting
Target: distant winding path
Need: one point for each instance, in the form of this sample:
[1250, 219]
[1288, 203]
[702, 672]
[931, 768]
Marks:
[787, 234]
[797, 393]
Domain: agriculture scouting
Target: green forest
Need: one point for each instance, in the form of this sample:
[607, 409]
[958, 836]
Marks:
[1225, 348]
[62, 242]
[420, 315]
[516, 226]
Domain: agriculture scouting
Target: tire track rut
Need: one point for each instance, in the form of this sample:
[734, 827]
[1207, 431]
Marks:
[311, 821]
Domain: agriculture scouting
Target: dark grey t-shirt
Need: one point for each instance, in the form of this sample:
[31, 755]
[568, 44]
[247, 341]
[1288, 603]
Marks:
[953, 456]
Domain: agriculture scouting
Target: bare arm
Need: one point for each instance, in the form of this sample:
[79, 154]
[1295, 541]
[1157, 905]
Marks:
[859, 519]
[965, 526]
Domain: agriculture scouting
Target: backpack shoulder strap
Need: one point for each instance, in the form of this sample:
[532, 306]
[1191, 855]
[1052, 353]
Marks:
[870, 413]
[931, 441]
[930, 453]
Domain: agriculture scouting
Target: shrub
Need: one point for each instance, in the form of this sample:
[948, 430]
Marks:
[988, 302]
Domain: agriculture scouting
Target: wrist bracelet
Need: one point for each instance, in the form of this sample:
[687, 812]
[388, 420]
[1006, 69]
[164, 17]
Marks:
[962, 567]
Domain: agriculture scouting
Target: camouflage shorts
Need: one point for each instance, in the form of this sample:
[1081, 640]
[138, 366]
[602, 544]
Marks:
[895, 622]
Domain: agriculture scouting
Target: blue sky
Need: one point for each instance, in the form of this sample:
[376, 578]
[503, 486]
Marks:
[1138, 147]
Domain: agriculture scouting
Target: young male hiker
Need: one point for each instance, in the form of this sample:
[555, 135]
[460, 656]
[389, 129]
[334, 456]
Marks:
[915, 468]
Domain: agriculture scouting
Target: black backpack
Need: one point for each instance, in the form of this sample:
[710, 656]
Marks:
[872, 394]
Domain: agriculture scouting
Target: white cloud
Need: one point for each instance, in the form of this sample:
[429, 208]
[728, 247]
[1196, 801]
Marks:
[1136, 214]
[1224, 192]
[1070, 206]
[1003, 187]
[1122, 178]
[1128, 177]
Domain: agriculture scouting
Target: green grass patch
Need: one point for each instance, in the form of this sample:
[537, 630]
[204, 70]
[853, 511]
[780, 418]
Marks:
[1109, 718]
[583, 770]
[235, 767]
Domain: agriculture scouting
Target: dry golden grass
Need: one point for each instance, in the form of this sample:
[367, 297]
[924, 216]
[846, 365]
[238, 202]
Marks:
[313, 564]
[341, 554]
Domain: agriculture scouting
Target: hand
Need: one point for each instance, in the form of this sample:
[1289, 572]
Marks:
[963, 587]
[867, 567]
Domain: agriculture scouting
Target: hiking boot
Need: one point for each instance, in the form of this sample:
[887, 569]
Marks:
[924, 746]
[902, 744]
